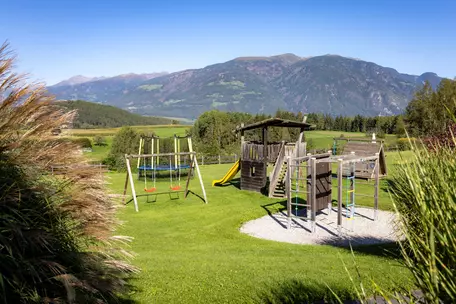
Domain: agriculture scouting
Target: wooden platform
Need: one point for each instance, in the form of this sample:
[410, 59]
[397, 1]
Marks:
[366, 170]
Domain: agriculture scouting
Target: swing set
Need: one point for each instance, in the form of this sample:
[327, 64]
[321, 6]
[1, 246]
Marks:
[173, 187]
[154, 167]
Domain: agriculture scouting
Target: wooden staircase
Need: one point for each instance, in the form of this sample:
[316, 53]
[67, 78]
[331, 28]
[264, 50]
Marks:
[278, 175]
[279, 191]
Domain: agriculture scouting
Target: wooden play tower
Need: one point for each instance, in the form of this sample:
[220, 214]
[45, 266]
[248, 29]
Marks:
[256, 155]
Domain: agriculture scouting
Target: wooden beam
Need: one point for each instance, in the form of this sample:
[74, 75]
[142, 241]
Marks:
[132, 183]
[158, 154]
[190, 172]
[340, 175]
[377, 186]
[200, 179]
[313, 166]
[125, 188]
[288, 190]
[139, 151]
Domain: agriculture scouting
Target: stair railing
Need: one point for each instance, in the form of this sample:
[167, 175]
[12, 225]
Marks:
[274, 177]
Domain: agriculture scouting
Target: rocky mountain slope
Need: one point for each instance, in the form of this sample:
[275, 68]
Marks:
[329, 84]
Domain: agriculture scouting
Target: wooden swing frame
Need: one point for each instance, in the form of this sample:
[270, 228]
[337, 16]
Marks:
[193, 166]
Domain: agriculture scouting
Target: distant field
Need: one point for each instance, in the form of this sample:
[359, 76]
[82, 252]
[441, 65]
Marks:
[320, 139]
[324, 139]
[159, 130]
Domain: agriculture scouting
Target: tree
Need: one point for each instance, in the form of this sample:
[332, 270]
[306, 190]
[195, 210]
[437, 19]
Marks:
[55, 233]
[126, 141]
[430, 112]
[99, 140]
[400, 127]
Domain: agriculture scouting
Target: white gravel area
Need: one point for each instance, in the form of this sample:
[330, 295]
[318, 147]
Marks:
[360, 230]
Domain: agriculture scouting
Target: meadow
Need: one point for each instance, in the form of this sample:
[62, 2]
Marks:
[191, 252]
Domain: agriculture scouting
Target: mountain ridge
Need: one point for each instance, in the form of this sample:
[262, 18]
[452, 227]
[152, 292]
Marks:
[260, 84]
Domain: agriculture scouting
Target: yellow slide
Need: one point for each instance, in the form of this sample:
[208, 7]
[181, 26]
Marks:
[229, 175]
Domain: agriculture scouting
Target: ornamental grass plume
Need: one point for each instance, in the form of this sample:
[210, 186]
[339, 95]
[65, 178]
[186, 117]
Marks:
[423, 189]
[56, 231]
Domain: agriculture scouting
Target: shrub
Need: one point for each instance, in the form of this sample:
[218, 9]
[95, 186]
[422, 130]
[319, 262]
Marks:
[55, 231]
[99, 140]
[445, 139]
[126, 141]
[83, 142]
[403, 144]
[424, 193]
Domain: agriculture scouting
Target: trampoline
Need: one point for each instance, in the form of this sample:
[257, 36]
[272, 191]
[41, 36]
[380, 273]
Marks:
[163, 168]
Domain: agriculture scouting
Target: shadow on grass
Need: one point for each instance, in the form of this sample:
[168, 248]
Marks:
[366, 245]
[273, 211]
[295, 291]
[236, 182]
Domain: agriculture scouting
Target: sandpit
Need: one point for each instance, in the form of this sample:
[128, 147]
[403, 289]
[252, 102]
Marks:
[360, 230]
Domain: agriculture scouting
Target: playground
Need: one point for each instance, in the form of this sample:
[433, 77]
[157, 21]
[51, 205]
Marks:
[216, 257]
[201, 247]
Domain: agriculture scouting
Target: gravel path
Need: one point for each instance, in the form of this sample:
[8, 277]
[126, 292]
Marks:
[361, 230]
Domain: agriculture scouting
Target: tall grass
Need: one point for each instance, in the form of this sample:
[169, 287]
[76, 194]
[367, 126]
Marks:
[56, 232]
[424, 192]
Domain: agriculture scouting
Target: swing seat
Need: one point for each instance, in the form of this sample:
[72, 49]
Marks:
[175, 188]
[153, 189]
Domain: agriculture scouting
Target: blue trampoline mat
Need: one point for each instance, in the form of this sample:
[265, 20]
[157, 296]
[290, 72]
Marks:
[163, 168]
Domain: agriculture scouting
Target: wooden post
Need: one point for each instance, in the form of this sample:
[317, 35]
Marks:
[175, 151]
[313, 193]
[219, 159]
[242, 134]
[139, 152]
[125, 188]
[202, 160]
[288, 190]
[265, 154]
[190, 172]
[178, 156]
[200, 179]
[340, 173]
[158, 150]
[377, 185]
[152, 152]
[132, 184]
[352, 189]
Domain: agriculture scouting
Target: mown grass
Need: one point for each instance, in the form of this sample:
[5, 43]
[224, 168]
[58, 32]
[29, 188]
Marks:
[325, 139]
[190, 252]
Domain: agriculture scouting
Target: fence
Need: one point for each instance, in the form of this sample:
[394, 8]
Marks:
[216, 159]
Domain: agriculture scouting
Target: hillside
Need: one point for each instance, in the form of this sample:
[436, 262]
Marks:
[328, 84]
[92, 115]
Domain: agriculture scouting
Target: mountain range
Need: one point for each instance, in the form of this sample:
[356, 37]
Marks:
[329, 84]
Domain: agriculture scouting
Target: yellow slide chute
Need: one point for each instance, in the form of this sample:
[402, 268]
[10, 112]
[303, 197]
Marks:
[229, 175]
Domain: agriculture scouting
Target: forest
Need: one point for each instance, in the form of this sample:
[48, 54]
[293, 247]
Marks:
[92, 115]
[428, 115]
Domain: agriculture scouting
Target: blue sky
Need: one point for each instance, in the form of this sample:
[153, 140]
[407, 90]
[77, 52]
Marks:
[55, 40]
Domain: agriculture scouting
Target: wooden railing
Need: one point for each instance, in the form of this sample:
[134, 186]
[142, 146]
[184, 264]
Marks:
[274, 177]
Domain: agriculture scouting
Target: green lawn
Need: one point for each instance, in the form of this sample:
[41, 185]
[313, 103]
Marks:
[190, 252]
[324, 139]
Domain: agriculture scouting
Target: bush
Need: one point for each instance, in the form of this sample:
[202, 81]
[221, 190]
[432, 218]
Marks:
[99, 140]
[424, 193]
[403, 144]
[126, 141]
[55, 231]
[83, 142]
